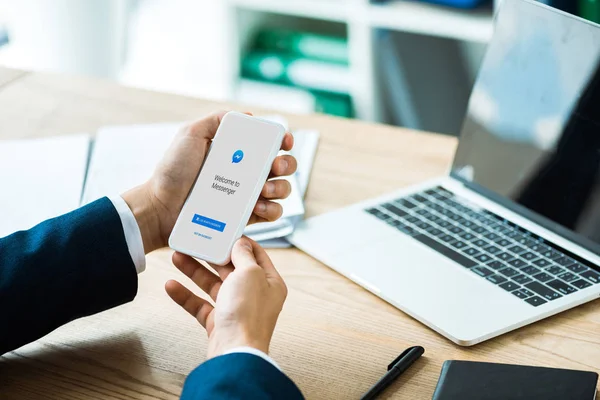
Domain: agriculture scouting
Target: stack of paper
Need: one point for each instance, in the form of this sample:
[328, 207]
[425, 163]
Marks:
[40, 179]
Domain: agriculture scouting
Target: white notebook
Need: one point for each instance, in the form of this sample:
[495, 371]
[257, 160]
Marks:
[40, 179]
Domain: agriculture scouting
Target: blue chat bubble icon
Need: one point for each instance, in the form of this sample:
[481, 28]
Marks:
[237, 156]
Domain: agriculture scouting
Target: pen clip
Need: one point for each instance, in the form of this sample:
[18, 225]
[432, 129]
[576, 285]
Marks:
[401, 356]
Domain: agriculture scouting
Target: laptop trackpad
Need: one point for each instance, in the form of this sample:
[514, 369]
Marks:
[429, 286]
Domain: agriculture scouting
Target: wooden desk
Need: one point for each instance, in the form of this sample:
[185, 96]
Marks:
[333, 338]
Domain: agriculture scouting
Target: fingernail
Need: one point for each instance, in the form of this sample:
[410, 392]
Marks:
[270, 188]
[284, 164]
[261, 207]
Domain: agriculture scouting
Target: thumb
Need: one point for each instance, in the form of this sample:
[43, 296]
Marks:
[242, 254]
[248, 253]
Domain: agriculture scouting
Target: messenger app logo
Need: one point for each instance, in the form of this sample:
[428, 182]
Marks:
[237, 156]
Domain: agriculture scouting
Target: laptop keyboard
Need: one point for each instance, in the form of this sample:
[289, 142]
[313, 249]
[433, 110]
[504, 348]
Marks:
[504, 254]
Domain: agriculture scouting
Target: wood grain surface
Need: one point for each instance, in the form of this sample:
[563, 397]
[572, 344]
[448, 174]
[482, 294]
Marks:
[333, 338]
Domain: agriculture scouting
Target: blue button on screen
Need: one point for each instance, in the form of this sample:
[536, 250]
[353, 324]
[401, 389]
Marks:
[209, 222]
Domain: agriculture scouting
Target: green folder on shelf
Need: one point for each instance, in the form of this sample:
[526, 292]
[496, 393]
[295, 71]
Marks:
[590, 10]
[296, 71]
[305, 44]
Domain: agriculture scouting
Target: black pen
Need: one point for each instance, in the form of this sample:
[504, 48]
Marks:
[395, 369]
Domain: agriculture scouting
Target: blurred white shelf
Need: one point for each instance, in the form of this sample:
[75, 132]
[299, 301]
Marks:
[329, 10]
[362, 19]
[427, 19]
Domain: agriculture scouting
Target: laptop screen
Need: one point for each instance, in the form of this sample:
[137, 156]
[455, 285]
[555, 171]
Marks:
[531, 137]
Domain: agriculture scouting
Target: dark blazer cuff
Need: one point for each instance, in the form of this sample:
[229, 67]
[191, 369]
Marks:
[239, 376]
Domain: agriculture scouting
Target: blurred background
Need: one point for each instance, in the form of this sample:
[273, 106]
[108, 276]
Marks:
[407, 63]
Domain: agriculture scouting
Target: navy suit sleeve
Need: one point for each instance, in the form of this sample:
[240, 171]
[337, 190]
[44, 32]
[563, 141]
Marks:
[62, 269]
[239, 376]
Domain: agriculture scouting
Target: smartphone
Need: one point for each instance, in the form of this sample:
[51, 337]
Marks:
[226, 190]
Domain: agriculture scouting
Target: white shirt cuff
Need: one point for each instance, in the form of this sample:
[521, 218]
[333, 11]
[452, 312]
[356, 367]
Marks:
[256, 352]
[133, 236]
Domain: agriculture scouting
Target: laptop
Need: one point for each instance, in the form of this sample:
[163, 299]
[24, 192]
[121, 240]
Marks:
[512, 234]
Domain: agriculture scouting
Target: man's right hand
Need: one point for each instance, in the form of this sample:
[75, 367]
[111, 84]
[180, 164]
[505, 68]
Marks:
[248, 292]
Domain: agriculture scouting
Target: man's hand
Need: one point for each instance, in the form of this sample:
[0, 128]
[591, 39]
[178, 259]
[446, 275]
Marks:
[248, 293]
[157, 203]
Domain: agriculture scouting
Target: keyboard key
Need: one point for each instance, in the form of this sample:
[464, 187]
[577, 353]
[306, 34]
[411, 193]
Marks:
[527, 292]
[561, 287]
[412, 219]
[577, 268]
[508, 272]
[453, 216]
[503, 242]
[378, 213]
[536, 301]
[435, 232]
[555, 270]
[529, 256]
[552, 254]
[542, 263]
[505, 256]
[447, 238]
[517, 263]
[491, 249]
[480, 243]
[536, 247]
[496, 265]
[591, 276]
[456, 230]
[471, 251]
[524, 241]
[458, 245]
[405, 203]
[393, 222]
[530, 270]
[467, 236]
[423, 225]
[568, 277]
[581, 284]
[417, 198]
[522, 279]
[446, 251]
[406, 229]
[520, 294]
[431, 217]
[484, 258]
[496, 279]
[479, 229]
[543, 277]
[565, 261]
[543, 291]
[444, 223]
[482, 271]
[395, 210]
[516, 249]
[492, 236]
[510, 286]
[467, 223]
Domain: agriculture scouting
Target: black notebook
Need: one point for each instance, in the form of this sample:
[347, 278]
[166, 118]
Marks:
[464, 380]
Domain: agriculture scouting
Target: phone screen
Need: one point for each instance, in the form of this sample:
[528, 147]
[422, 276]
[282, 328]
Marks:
[227, 188]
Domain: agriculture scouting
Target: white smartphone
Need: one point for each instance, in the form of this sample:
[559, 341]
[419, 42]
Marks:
[226, 190]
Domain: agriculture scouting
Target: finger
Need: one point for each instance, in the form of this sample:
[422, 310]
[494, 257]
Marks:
[288, 142]
[268, 210]
[199, 274]
[276, 189]
[197, 307]
[205, 128]
[284, 165]
[248, 113]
